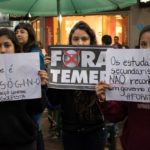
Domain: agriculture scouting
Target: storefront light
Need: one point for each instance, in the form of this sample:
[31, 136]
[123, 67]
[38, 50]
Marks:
[60, 18]
[144, 1]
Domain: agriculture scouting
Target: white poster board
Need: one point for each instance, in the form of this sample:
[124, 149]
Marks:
[19, 76]
[128, 72]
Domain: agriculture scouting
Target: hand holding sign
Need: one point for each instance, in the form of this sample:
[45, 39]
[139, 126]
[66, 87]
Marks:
[101, 87]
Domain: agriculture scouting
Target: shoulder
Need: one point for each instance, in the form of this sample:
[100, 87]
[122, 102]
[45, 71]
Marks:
[35, 49]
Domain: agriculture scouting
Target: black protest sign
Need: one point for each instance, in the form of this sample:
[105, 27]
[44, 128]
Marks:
[76, 67]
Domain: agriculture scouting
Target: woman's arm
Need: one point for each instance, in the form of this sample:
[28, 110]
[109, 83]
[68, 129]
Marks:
[113, 111]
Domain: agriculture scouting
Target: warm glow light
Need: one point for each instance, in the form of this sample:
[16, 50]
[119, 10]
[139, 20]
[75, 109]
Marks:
[144, 1]
[118, 17]
[60, 18]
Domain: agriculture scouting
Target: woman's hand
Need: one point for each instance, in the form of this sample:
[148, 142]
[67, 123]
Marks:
[100, 90]
[47, 60]
[44, 77]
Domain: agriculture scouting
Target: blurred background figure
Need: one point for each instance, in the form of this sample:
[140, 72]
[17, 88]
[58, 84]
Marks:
[106, 40]
[40, 46]
[116, 42]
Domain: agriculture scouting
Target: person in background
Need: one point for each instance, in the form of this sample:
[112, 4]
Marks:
[17, 128]
[124, 46]
[82, 121]
[110, 127]
[136, 131]
[106, 40]
[27, 40]
[116, 42]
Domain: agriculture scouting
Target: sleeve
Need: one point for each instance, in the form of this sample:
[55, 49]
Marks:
[41, 56]
[42, 65]
[114, 111]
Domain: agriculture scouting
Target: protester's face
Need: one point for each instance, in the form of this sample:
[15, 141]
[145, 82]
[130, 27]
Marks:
[145, 40]
[22, 36]
[6, 45]
[80, 37]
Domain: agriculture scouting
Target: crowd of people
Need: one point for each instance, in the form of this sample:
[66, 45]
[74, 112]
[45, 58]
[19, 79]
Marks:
[84, 113]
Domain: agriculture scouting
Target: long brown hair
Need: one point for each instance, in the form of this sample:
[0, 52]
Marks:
[31, 43]
[85, 27]
[84, 99]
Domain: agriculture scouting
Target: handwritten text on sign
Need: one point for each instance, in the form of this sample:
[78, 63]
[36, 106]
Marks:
[76, 67]
[19, 76]
[128, 71]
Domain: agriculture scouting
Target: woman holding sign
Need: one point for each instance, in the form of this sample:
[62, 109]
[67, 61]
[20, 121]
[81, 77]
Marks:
[82, 122]
[136, 129]
[17, 128]
[27, 40]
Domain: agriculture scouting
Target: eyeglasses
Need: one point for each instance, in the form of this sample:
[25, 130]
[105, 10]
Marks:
[82, 38]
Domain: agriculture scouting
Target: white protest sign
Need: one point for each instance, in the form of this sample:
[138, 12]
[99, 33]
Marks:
[19, 76]
[128, 72]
